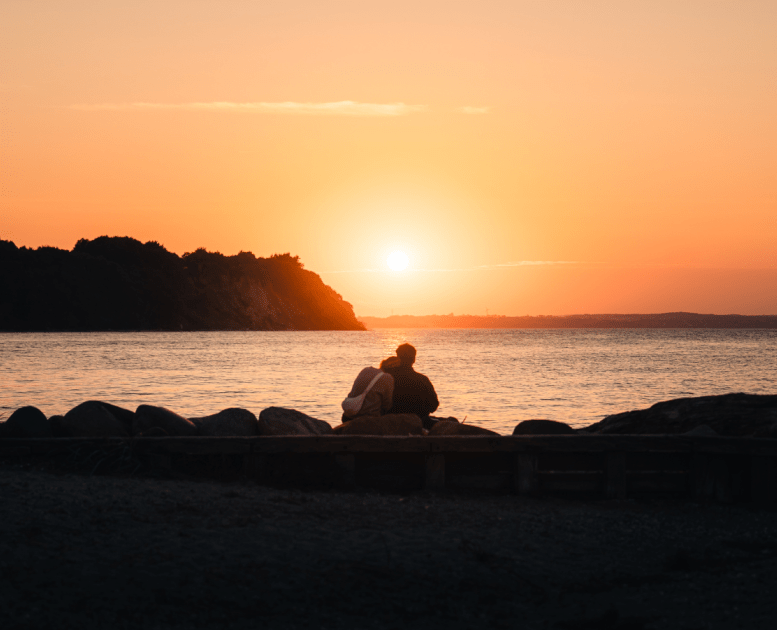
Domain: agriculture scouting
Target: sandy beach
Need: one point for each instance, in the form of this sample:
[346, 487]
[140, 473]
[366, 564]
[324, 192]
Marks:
[119, 552]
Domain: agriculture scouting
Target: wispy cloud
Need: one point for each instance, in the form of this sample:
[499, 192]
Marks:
[517, 263]
[338, 108]
[529, 263]
[359, 271]
[473, 110]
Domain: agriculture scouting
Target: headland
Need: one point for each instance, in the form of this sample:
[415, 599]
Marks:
[121, 284]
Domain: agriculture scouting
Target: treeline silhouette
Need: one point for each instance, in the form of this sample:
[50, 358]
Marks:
[119, 283]
[659, 320]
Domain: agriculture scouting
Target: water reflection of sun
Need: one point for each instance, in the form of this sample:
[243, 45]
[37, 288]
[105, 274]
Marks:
[397, 261]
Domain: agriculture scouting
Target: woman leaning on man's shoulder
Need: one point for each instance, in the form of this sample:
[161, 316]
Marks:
[379, 399]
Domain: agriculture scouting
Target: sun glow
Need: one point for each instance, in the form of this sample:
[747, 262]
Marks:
[397, 261]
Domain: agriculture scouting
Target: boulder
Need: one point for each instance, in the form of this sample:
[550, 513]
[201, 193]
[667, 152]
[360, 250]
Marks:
[702, 430]
[125, 416]
[543, 427]
[28, 422]
[91, 419]
[148, 417]
[729, 415]
[232, 421]
[153, 432]
[445, 427]
[435, 419]
[391, 424]
[440, 419]
[280, 421]
[58, 428]
[767, 431]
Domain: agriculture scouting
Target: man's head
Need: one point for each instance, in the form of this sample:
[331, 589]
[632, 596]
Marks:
[406, 354]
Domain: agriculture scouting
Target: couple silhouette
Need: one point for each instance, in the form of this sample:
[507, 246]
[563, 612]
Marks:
[393, 388]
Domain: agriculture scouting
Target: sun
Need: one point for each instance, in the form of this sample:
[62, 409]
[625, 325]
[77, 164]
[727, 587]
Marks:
[397, 261]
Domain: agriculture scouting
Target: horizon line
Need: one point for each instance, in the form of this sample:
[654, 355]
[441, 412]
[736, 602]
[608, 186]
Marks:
[490, 316]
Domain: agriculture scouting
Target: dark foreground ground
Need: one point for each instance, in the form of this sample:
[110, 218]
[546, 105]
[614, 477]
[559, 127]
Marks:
[110, 552]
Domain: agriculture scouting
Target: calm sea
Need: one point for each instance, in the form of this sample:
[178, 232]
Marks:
[494, 378]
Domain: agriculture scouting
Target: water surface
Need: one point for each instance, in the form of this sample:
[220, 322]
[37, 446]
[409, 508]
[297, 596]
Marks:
[494, 378]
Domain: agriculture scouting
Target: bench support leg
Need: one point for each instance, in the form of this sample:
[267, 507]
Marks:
[526, 474]
[435, 472]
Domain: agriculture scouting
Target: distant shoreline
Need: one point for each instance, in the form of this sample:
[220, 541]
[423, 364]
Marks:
[603, 321]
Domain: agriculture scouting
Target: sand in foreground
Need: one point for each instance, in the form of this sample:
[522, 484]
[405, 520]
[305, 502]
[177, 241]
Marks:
[109, 552]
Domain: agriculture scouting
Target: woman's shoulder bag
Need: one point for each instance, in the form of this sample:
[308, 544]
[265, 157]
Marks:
[353, 405]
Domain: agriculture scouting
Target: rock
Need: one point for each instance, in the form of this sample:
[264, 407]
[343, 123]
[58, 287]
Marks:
[148, 417]
[445, 427]
[391, 424]
[428, 424]
[280, 421]
[153, 432]
[769, 431]
[125, 416]
[543, 427]
[28, 422]
[232, 421]
[702, 430]
[58, 428]
[91, 419]
[728, 415]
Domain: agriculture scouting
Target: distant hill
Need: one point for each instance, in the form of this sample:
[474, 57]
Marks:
[661, 320]
[119, 283]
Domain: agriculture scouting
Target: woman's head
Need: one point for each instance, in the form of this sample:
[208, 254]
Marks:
[389, 362]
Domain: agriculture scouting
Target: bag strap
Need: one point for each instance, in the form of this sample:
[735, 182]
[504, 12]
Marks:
[349, 404]
[372, 382]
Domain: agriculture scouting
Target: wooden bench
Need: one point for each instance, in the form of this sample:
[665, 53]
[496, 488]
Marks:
[716, 469]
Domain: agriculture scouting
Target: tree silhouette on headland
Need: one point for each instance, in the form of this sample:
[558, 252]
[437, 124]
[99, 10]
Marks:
[119, 283]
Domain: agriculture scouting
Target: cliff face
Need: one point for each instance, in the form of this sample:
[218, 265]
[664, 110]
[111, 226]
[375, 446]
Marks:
[119, 283]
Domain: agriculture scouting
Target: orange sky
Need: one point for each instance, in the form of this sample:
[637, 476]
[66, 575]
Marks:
[539, 157]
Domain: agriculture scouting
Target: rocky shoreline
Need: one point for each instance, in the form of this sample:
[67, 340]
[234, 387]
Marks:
[732, 415]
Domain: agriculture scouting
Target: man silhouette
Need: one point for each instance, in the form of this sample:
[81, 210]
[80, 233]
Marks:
[413, 392]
